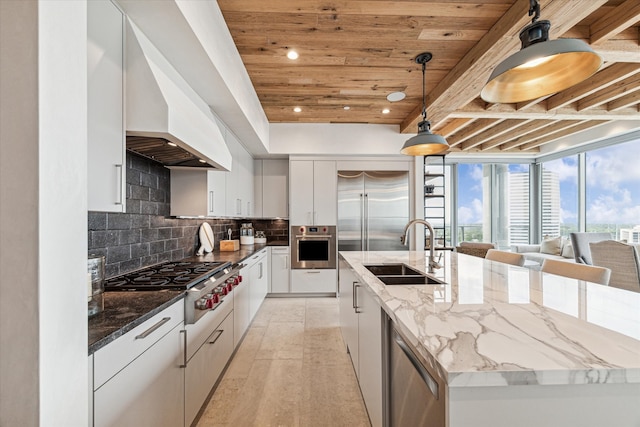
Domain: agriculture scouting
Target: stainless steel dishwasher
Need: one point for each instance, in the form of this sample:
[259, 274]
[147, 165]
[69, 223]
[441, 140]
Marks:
[416, 395]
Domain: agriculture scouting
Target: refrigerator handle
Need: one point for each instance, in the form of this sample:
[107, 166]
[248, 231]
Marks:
[366, 220]
[362, 248]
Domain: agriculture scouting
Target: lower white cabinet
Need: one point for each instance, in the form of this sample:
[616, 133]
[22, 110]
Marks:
[279, 269]
[313, 281]
[147, 392]
[241, 318]
[361, 322]
[204, 368]
[258, 281]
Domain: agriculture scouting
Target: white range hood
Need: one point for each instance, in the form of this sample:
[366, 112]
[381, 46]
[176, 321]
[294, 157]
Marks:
[160, 104]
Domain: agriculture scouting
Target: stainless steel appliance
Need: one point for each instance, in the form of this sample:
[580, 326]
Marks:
[416, 395]
[373, 207]
[313, 246]
[206, 283]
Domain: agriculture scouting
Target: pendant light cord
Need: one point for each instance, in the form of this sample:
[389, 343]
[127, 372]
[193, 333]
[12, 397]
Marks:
[424, 93]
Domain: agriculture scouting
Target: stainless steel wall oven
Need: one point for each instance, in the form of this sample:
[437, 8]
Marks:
[313, 246]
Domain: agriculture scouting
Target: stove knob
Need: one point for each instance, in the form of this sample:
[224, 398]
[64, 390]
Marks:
[216, 299]
[239, 278]
[229, 287]
[209, 303]
[201, 304]
[236, 281]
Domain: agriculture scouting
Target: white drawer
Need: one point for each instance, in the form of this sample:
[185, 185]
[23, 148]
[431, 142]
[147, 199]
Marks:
[113, 357]
[198, 332]
[313, 281]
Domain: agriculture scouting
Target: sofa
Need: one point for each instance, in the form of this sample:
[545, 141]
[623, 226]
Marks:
[557, 248]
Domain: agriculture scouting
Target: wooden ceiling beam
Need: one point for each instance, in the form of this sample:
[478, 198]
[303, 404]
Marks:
[507, 127]
[465, 80]
[475, 128]
[611, 93]
[625, 101]
[620, 18]
[451, 127]
[526, 133]
[568, 130]
[607, 77]
[538, 111]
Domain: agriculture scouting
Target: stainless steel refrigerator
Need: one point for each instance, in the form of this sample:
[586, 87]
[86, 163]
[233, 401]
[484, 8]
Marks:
[373, 208]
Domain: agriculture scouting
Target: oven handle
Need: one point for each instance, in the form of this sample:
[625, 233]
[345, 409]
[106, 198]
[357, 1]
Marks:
[316, 236]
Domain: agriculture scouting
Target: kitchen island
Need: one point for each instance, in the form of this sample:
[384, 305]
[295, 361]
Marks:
[516, 346]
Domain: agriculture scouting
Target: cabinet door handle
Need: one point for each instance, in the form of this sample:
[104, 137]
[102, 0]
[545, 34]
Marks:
[184, 348]
[119, 184]
[285, 263]
[211, 205]
[238, 206]
[218, 334]
[260, 271]
[248, 208]
[355, 297]
[313, 272]
[153, 328]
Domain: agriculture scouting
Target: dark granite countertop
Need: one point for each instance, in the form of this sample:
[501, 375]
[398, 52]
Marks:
[124, 311]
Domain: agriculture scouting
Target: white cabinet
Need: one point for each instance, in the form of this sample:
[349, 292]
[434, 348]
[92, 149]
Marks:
[258, 281]
[204, 368]
[197, 192]
[370, 353]
[105, 108]
[271, 188]
[279, 269]
[239, 182]
[241, 316]
[138, 379]
[361, 323]
[313, 195]
[90, 390]
[313, 281]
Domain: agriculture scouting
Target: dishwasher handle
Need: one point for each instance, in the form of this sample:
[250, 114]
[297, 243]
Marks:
[431, 383]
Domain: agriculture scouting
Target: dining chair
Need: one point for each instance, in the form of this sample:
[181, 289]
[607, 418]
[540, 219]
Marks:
[580, 243]
[622, 259]
[512, 258]
[589, 273]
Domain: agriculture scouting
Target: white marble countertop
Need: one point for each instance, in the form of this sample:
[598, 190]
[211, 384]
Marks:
[495, 324]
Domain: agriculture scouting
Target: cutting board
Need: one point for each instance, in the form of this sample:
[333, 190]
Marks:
[206, 238]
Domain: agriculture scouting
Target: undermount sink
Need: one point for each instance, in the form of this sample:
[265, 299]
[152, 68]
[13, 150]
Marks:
[410, 280]
[401, 274]
[393, 270]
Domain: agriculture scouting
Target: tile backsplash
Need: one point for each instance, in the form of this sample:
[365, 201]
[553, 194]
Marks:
[145, 235]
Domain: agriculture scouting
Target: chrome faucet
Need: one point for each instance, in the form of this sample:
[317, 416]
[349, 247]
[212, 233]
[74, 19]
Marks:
[433, 264]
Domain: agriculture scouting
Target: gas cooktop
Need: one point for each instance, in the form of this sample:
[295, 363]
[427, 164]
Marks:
[175, 275]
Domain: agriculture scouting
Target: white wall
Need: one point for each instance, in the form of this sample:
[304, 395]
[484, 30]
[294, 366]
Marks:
[43, 217]
[336, 139]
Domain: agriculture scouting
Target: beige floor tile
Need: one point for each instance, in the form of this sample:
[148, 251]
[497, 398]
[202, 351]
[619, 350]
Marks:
[291, 369]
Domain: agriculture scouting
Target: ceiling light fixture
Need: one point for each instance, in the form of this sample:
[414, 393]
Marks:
[292, 54]
[346, 107]
[542, 66]
[425, 142]
[385, 111]
[297, 109]
[396, 96]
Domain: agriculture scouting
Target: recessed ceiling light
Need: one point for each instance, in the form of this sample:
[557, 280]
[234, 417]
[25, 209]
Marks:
[292, 54]
[202, 161]
[173, 144]
[386, 111]
[396, 96]
[297, 109]
[346, 107]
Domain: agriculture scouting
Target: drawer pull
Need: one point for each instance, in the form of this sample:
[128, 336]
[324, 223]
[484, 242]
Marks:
[219, 333]
[153, 328]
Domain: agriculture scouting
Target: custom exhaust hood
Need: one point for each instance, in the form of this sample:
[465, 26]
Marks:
[166, 120]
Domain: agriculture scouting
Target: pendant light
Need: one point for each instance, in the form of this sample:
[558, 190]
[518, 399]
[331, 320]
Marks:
[542, 66]
[425, 142]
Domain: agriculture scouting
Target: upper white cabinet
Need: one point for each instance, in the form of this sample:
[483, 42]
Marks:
[105, 109]
[271, 188]
[239, 182]
[197, 192]
[313, 185]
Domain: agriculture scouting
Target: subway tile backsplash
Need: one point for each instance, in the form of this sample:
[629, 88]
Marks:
[145, 235]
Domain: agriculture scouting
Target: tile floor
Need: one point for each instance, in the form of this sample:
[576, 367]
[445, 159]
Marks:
[291, 370]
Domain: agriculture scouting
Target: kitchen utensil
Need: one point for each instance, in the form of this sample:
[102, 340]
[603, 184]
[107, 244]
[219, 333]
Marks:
[206, 238]
[246, 234]
[95, 283]
[229, 233]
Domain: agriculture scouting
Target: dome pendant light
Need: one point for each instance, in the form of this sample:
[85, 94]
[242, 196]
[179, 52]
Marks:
[542, 66]
[425, 142]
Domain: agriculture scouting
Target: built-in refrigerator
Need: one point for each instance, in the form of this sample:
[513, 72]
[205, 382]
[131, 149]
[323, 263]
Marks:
[373, 208]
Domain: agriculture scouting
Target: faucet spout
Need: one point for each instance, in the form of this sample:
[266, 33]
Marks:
[433, 264]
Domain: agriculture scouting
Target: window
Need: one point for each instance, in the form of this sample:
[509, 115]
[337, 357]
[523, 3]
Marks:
[613, 191]
[560, 197]
[513, 204]
[474, 221]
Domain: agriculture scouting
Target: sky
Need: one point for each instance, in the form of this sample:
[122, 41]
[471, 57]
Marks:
[613, 186]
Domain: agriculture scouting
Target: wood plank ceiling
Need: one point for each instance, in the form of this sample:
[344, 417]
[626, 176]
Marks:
[354, 53]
